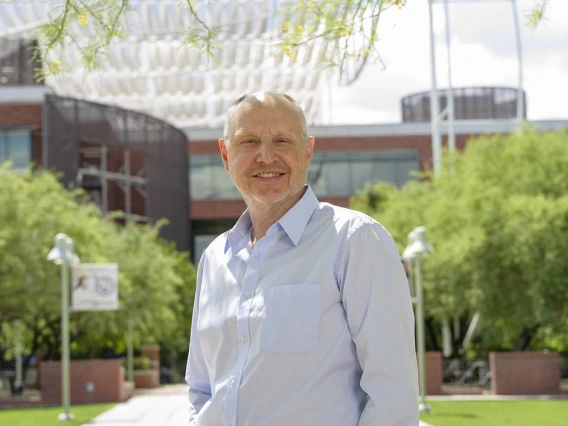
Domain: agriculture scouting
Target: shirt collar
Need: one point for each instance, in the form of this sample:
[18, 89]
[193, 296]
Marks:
[239, 231]
[293, 222]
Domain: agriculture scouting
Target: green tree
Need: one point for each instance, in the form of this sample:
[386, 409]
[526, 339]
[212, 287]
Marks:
[351, 27]
[498, 218]
[155, 280]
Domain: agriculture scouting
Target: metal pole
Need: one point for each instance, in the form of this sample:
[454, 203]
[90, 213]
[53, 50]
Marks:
[65, 340]
[104, 182]
[127, 196]
[450, 93]
[434, 102]
[423, 406]
[130, 354]
[18, 354]
[520, 100]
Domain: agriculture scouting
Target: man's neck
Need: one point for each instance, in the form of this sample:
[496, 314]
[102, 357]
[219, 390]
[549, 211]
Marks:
[263, 216]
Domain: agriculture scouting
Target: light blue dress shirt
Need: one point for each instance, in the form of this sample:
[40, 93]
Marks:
[313, 326]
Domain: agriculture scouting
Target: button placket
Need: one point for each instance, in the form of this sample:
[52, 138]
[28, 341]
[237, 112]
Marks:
[249, 285]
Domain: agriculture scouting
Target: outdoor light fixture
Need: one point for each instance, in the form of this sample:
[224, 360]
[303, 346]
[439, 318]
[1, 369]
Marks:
[419, 246]
[63, 254]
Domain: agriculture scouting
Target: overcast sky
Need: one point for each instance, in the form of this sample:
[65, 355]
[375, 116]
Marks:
[483, 54]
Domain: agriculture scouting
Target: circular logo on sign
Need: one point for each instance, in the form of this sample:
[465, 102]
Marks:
[104, 285]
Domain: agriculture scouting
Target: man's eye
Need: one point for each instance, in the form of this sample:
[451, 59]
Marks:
[249, 141]
[281, 141]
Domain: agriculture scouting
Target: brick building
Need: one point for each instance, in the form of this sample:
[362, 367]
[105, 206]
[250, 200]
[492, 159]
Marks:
[345, 158]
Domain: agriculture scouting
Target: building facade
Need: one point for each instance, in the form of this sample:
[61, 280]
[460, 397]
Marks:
[345, 159]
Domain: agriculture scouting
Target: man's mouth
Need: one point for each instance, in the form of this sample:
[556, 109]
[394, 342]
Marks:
[268, 175]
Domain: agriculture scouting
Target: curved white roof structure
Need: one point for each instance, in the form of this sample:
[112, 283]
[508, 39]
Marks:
[152, 71]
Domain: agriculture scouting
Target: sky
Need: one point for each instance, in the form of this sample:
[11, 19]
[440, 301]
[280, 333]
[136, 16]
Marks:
[483, 53]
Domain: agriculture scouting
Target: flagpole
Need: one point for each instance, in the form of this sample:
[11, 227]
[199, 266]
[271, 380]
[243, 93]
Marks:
[434, 101]
[520, 95]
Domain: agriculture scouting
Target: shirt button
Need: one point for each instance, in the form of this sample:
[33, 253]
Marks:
[243, 339]
[233, 382]
[247, 294]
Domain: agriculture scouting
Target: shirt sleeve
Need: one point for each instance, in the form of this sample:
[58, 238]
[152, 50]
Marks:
[196, 374]
[376, 298]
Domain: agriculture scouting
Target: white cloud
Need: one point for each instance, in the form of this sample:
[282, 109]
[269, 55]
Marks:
[483, 54]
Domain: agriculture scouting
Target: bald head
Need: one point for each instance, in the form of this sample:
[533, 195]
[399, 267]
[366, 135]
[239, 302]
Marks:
[264, 98]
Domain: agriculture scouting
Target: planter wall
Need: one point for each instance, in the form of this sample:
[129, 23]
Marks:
[146, 379]
[525, 373]
[91, 381]
[153, 353]
[434, 373]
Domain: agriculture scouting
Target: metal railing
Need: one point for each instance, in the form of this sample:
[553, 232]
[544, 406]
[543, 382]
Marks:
[467, 372]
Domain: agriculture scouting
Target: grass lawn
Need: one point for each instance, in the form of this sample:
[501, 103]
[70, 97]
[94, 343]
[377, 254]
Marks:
[48, 416]
[497, 413]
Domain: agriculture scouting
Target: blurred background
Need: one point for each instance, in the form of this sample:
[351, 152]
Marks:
[110, 114]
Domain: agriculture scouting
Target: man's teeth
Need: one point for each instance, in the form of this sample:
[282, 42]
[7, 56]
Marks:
[268, 175]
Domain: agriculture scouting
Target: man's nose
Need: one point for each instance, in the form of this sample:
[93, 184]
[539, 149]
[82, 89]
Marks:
[266, 153]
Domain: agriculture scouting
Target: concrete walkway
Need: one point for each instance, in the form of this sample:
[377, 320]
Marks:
[166, 405]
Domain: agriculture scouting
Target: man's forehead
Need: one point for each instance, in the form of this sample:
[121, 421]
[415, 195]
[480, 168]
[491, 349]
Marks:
[249, 112]
[263, 99]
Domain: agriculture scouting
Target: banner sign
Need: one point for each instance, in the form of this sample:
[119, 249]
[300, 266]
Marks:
[95, 287]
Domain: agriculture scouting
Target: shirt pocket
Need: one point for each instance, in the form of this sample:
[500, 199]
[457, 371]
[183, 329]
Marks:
[291, 322]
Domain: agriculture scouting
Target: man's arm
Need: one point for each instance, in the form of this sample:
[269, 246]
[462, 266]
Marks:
[196, 374]
[377, 303]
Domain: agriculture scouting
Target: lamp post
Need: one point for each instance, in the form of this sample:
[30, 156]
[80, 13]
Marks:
[418, 246]
[63, 254]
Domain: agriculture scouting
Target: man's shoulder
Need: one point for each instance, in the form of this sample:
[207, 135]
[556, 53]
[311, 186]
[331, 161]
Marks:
[347, 222]
[344, 218]
[217, 246]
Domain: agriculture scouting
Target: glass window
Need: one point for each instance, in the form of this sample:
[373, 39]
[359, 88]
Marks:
[200, 243]
[224, 188]
[362, 173]
[339, 179]
[15, 145]
[385, 171]
[209, 180]
[316, 176]
[332, 173]
[201, 182]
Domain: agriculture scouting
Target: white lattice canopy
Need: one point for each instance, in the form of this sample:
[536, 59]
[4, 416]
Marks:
[152, 71]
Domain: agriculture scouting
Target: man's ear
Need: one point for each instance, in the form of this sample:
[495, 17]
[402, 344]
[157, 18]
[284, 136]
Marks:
[310, 148]
[224, 156]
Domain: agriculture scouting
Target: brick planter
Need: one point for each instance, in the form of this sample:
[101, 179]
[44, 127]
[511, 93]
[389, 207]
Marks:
[91, 381]
[153, 353]
[434, 374]
[146, 379]
[524, 373]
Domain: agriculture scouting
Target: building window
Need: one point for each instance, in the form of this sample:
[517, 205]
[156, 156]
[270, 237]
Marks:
[208, 179]
[332, 173]
[15, 145]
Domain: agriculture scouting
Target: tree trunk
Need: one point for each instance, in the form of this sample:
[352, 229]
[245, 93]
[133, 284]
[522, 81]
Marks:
[525, 338]
[434, 344]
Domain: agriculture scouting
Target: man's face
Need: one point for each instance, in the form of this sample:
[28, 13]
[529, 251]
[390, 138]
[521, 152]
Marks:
[266, 154]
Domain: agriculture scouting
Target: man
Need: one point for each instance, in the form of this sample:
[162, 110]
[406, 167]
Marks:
[302, 313]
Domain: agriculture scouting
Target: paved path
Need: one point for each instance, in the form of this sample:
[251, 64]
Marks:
[165, 406]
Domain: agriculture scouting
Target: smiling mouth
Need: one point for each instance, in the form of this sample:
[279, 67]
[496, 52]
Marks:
[268, 175]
